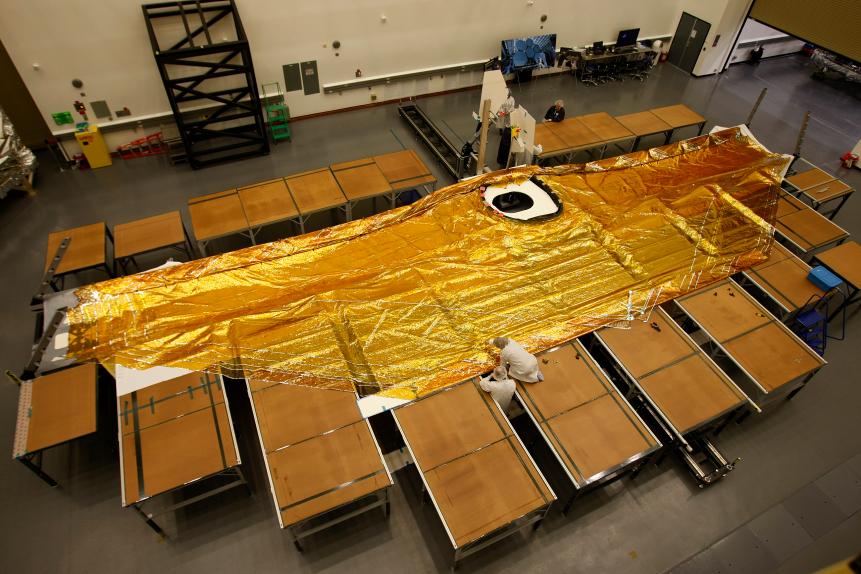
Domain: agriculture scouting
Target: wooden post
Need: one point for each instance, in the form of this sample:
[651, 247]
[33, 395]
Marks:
[482, 142]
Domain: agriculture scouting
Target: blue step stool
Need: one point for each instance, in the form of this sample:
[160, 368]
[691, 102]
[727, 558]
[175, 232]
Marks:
[823, 278]
[812, 327]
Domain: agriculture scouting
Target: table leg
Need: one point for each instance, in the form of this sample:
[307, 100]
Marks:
[187, 244]
[201, 246]
[668, 135]
[149, 521]
[27, 461]
[635, 144]
[702, 127]
[839, 206]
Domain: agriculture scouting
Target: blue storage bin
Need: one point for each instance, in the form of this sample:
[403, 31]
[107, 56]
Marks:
[823, 278]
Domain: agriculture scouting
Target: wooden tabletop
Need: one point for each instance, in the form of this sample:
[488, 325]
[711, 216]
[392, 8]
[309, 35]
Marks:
[589, 425]
[449, 424]
[784, 278]
[573, 133]
[605, 126]
[678, 116]
[267, 202]
[480, 476]
[288, 414]
[753, 337]
[320, 452]
[773, 357]
[147, 234]
[403, 169]
[676, 375]
[217, 215]
[810, 178]
[828, 191]
[549, 142]
[572, 380]
[315, 191]
[326, 471]
[486, 490]
[86, 250]
[644, 123]
[362, 181]
[845, 261]
[173, 433]
[788, 203]
[644, 349]
[808, 229]
[56, 408]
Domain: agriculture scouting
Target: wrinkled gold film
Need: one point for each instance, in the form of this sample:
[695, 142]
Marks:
[403, 302]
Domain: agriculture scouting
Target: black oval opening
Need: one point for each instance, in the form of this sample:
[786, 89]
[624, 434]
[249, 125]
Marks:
[512, 202]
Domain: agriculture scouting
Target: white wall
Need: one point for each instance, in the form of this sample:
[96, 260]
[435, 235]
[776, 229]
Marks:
[106, 45]
[777, 44]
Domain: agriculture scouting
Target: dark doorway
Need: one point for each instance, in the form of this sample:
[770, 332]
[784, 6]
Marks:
[688, 42]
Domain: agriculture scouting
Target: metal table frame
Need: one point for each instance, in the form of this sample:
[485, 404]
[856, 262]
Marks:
[632, 465]
[185, 247]
[323, 520]
[814, 248]
[534, 517]
[696, 434]
[57, 280]
[234, 472]
[764, 396]
[798, 192]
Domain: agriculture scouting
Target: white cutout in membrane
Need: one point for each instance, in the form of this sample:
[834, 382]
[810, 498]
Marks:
[542, 203]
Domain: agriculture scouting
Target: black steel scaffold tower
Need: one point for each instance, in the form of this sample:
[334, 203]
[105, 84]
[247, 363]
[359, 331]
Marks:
[204, 60]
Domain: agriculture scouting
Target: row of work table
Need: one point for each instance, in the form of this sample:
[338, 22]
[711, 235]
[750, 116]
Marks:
[297, 197]
[600, 130]
[611, 402]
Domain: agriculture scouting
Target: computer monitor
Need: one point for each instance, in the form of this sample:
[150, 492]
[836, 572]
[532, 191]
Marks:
[627, 38]
[528, 53]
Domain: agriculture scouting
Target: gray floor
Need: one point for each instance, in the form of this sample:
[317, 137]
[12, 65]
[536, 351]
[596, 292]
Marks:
[791, 505]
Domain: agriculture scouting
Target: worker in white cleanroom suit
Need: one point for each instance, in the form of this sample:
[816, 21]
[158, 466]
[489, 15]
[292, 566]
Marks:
[522, 365]
[500, 386]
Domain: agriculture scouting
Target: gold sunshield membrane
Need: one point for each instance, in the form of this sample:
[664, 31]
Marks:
[403, 302]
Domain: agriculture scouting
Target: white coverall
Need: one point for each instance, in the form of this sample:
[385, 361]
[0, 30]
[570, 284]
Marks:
[501, 391]
[504, 112]
[522, 365]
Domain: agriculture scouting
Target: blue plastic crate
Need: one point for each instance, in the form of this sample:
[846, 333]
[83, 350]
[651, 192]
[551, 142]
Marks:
[823, 278]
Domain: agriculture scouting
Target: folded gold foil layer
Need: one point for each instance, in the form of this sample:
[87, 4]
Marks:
[403, 302]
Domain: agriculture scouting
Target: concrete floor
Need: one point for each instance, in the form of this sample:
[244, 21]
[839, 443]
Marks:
[790, 506]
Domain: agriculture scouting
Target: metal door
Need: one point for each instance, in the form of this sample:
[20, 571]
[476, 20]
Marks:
[688, 42]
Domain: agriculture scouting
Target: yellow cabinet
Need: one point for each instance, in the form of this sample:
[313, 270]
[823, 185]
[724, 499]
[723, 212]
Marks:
[93, 146]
